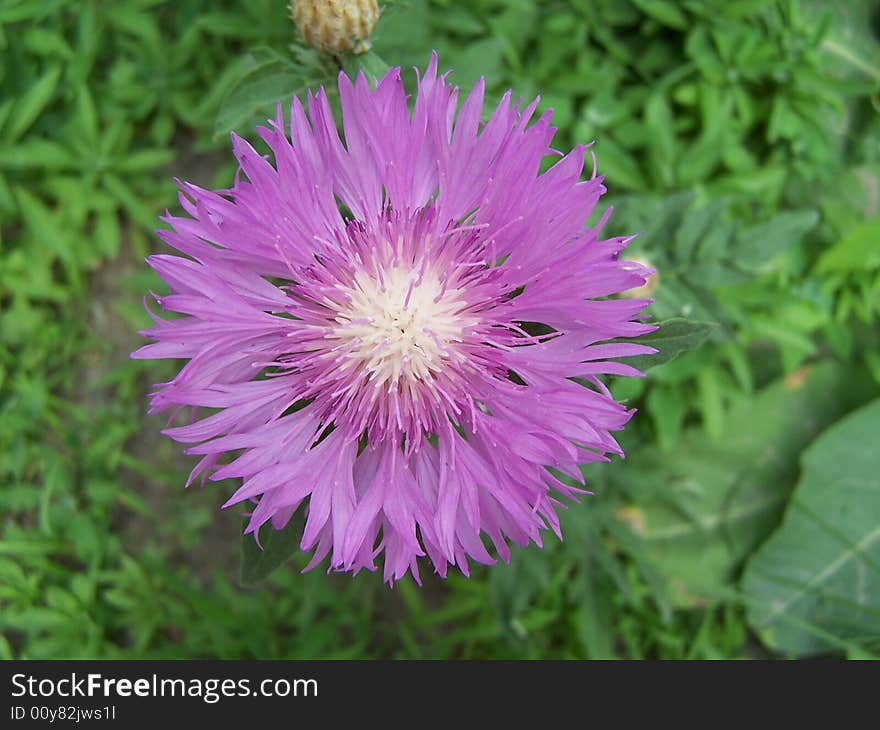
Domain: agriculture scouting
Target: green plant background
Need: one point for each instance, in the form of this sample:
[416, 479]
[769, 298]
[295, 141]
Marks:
[741, 138]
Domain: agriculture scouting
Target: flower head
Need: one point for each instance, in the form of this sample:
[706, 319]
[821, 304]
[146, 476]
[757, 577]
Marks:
[336, 26]
[387, 332]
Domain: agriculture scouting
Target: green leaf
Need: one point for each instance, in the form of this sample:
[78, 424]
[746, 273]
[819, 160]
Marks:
[43, 42]
[850, 41]
[259, 89]
[134, 206]
[32, 103]
[671, 338]
[270, 79]
[661, 135]
[821, 568]
[47, 231]
[107, 233]
[705, 506]
[859, 250]
[664, 11]
[759, 244]
[86, 115]
[36, 153]
[667, 409]
[619, 166]
[277, 547]
[373, 65]
[143, 160]
[715, 245]
[696, 225]
[704, 155]
[710, 401]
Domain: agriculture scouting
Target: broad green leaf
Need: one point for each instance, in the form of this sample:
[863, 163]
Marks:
[278, 546]
[850, 42]
[704, 507]
[671, 338]
[821, 568]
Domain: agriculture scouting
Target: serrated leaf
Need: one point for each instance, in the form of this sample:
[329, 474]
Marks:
[821, 568]
[671, 338]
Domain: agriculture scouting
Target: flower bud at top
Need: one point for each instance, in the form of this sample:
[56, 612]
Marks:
[336, 26]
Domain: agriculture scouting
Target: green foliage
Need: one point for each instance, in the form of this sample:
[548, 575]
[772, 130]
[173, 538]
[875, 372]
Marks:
[740, 140]
[266, 78]
[671, 338]
[275, 547]
[702, 509]
[813, 587]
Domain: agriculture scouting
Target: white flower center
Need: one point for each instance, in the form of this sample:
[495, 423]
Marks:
[400, 326]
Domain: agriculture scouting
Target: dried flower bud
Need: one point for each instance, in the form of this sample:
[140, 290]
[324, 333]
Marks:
[336, 26]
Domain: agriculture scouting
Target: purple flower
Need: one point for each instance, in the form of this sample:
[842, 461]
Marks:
[386, 331]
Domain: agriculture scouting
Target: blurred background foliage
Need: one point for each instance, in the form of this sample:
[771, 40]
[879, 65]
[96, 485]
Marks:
[741, 138]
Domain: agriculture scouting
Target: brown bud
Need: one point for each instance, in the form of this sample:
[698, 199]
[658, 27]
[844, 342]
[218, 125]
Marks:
[336, 26]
